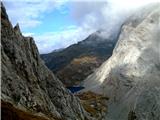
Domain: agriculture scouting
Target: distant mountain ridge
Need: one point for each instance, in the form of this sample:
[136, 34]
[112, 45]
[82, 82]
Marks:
[90, 53]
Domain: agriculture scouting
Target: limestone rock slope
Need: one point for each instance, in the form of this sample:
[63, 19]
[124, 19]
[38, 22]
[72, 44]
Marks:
[131, 76]
[27, 83]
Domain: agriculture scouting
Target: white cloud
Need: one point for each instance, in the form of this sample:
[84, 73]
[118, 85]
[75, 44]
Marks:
[28, 34]
[104, 13]
[47, 42]
[29, 12]
[130, 4]
[90, 15]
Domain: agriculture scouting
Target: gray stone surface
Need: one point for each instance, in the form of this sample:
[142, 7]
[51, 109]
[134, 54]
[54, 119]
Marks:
[131, 76]
[26, 81]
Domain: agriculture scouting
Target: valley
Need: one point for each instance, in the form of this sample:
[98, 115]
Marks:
[110, 75]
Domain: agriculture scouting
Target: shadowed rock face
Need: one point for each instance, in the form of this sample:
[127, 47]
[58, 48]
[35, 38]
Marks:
[9, 112]
[131, 76]
[26, 81]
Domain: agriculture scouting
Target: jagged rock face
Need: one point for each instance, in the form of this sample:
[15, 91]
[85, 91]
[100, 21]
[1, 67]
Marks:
[131, 76]
[26, 81]
[95, 49]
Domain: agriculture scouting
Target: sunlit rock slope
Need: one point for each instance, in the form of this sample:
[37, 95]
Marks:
[131, 76]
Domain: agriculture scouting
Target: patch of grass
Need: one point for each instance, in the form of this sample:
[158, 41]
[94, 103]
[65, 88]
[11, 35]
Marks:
[93, 103]
[85, 59]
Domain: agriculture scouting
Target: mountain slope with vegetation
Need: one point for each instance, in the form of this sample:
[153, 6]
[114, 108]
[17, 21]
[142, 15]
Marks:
[75, 63]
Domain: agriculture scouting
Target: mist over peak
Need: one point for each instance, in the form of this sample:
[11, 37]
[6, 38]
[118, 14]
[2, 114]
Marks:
[58, 24]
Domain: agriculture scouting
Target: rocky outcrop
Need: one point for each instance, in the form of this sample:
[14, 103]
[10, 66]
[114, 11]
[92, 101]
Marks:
[27, 83]
[131, 76]
[98, 45]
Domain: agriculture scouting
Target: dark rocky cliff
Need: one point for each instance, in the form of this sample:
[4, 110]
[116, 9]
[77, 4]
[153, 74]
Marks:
[27, 83]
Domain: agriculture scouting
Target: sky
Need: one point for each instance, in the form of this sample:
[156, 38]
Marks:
[56, 24]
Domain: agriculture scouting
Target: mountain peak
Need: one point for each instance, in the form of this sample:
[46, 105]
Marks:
[90, 53]
[3, 12]
[17, 29]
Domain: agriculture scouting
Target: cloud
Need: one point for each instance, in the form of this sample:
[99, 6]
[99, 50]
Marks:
[50, 41]
[29, 12]
[89, 16]
[99, 14]
[28, 34]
